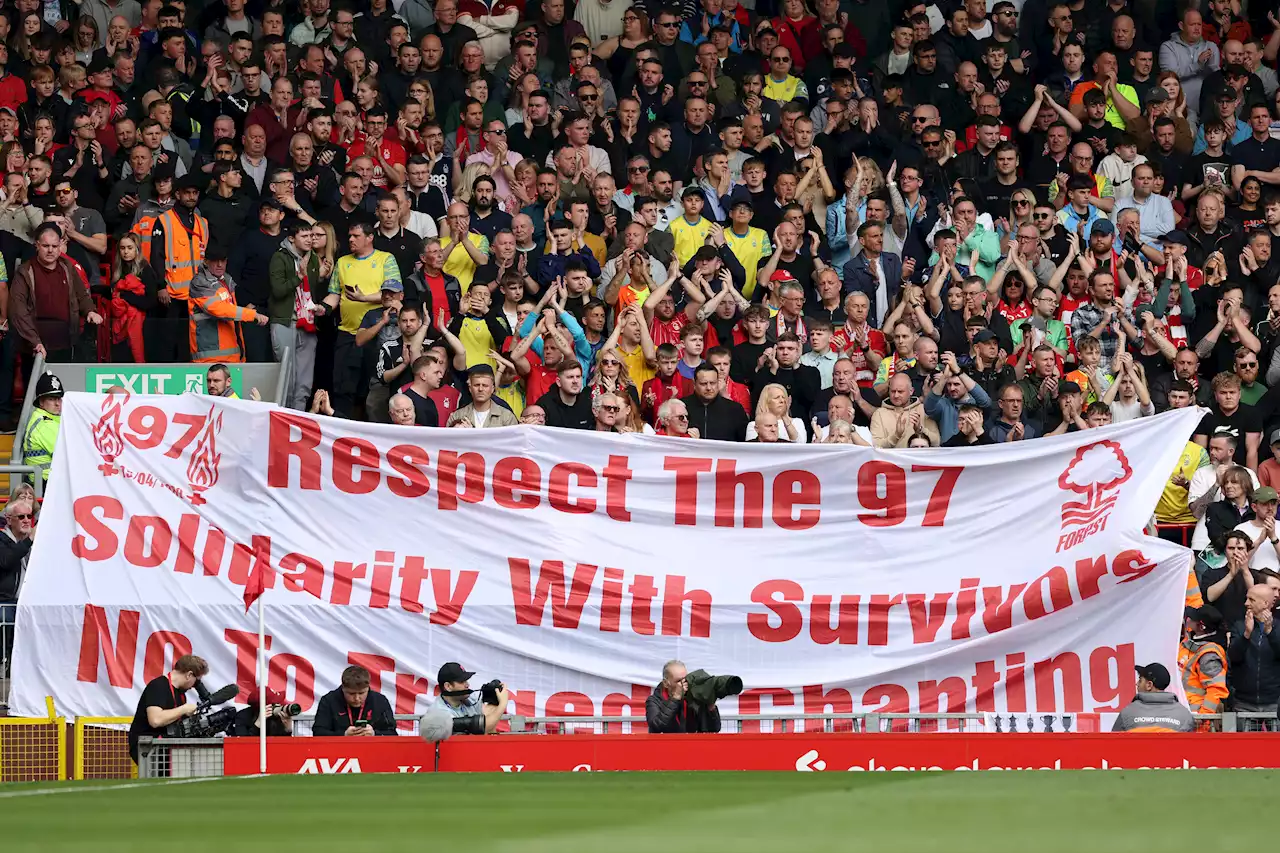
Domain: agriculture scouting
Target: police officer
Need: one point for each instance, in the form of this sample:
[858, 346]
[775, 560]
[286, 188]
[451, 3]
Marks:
[1154, 708]
[41, 437]
[1202, 660]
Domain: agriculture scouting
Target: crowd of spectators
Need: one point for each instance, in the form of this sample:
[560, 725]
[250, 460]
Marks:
[902, 224]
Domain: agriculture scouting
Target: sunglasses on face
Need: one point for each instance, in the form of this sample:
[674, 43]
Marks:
[613, 410]
[22, 516]
[1018, 202]
[669, 24]
[1041, 216]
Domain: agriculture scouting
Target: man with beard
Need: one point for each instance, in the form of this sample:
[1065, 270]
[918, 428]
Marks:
[486, 218]
[533, 136]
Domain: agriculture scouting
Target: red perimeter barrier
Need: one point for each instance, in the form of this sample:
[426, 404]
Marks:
[797, 752]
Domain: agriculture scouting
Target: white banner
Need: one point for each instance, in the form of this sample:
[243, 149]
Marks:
[1011, 578]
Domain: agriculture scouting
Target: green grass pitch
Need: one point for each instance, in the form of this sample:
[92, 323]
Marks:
[990, 812]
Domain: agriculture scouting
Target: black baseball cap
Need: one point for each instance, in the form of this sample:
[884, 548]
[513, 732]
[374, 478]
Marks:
[1156, 674]
[983, 336]
[453, 671]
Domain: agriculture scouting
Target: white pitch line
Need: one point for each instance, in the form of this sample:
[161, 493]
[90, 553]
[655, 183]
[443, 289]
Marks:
[4, 795]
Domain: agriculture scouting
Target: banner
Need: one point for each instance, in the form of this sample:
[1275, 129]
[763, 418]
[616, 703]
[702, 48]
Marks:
[803, 753]
[1010, 578]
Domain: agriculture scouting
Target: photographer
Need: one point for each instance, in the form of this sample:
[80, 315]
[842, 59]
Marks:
[164, 700]
[353, 709]
[248, 722]
[676, 708]
[457, 697]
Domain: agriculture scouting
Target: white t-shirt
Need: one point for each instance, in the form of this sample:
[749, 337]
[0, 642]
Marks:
[1265, 557]
[1121, 411]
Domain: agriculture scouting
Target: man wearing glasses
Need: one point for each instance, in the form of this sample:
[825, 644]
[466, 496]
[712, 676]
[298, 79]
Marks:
[927, 144]
[673, 54]
[925, 83]
[85, 229]
[780, 84]
[15, 546]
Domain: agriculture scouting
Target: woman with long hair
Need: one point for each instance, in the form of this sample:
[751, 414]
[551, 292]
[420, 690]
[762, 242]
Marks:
[85, 41]
[43, 132]
[1015, 300]
[524, 187]
[421, 91]
[518, 97]
[324, 245]
[366, 95]
[1249, 212]
[13, 160]
[775, 400]
[618, 50]
[610, 376]
[1235, 507]
[469, 175]
[28, 28]
[134, 285]
[1170, 82]
[1021, 203]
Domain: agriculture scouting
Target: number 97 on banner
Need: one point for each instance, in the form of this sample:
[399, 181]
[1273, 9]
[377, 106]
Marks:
[882, 493]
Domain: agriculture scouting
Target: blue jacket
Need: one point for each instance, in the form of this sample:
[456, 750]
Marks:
[946, 411]
[551, 266]
[859, 277]
[581, 346]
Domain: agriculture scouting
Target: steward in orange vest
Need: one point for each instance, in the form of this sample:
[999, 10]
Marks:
[179, 239]
[1202, 660]
[215, 337]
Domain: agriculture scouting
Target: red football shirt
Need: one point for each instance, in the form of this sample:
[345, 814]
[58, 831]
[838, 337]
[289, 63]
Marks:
[392, 152]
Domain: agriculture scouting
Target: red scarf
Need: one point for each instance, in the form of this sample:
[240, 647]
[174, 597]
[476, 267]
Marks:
[463, 142]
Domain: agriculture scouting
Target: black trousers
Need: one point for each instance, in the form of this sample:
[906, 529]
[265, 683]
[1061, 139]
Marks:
[257, 343]
[347, 368]
[167, 335]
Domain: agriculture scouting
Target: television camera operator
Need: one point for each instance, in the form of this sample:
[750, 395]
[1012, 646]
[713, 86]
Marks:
[279, 714]
[457, 698]
[353, 709]
[685, 702]
[164, 700]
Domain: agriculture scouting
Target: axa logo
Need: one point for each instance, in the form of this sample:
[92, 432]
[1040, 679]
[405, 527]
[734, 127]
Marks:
[328, 767]
[148, 428]
[1095, 474]
[512, 768]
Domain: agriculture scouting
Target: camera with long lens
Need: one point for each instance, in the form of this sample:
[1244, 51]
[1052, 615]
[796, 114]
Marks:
[207, 721]
[290, 709]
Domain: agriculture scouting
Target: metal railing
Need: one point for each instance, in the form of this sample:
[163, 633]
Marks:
[15, 465]
[1231, 721]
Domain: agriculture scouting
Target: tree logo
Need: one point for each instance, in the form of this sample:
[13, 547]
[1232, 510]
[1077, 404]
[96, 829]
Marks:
[1096, 473]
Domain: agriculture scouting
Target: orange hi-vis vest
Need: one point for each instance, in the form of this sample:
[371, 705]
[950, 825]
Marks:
[1204, 682]
[215, 321]
[1194, 597]
[183, 251]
